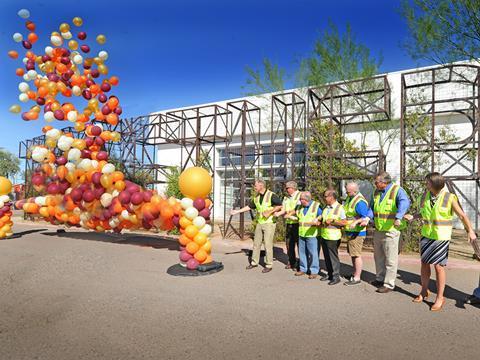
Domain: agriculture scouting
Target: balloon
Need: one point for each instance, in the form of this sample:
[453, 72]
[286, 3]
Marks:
[200, 238]
[17, 37]
[5, 186]
[199, 204]
[185, 256]
[191, 231]
[101, 39]
[192, 247]
[186, 203]
[201, 255]
[199, 222]
[191, 213]
[195, 182]
[24, 13]
[192, 264]
[15, 109]
[77, 21]
[207, 229]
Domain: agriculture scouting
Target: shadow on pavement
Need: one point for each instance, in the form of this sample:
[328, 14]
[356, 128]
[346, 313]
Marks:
[155, 242]
[17, 235]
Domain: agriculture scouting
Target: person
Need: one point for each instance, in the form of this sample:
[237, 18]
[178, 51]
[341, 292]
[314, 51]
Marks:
[290, 205]
[390, 204]
[333, 219]
[359, 213]
[437, 206]
[308, 217]
[474, 299]
[266, 203]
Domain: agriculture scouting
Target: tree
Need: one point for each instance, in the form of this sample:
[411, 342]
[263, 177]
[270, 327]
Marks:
[9, 163]
[172, 182]
[271, 78]
[443, 31]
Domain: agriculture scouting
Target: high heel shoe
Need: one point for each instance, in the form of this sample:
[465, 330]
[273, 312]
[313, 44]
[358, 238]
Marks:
[438, 308]
[420, 297]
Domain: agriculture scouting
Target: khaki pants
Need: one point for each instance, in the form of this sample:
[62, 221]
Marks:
[385, 251]
[263, 233]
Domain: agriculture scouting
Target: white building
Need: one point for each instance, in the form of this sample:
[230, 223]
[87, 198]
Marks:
[448, 94]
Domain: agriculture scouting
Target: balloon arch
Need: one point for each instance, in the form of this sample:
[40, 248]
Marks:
[80, 187]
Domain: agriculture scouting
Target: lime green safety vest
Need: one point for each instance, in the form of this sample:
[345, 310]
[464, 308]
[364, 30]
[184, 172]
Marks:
[438, 220]
[350, 204]
[308, 230]
[386, 210]
[264, 206]
[289, 204]
[330, 232]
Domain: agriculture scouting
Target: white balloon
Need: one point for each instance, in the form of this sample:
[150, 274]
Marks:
[191, 213]
[186, 203]
[103, 55]
[106, 199]
[32, 74]
[73, 154]
[76, 90]
[17, 37]
[85, 164]
[67, 35]
[207, 229]
[53, 133]
[48, 51]
[4, 198]
[94, 164]
[26, 77]
[70, 167]
[65, 142]
[72, 116]
[23, 97]
[125, 214]
[49, 116]
[24, 13]
[199, 222]
[23, 87]
[78, 59]
[56, 40]
[39, 154]
[108, 168]
[41, 200]
[1, 203]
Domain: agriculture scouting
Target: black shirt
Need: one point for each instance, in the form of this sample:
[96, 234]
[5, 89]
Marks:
[275, 201]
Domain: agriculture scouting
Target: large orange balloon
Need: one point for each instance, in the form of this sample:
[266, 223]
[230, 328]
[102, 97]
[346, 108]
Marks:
[195, 182]
[5, 186]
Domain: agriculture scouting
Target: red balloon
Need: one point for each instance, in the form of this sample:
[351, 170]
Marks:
[205, 213]
[88, 196]
[38, 179]
[96, 130]
[124, 197]
[96, 177]
[199, 204]
[192, 264]
[76, 194]
[136, 198]
[102, 155]
[185, 256]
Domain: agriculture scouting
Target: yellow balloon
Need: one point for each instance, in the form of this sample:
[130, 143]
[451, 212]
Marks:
[73, 45]
[64, 27]
[15, 109]
[195, 182]
[79, 144]
[79, 126]
[101, 39]
[5, 186]
[103, 69]
[77, 21]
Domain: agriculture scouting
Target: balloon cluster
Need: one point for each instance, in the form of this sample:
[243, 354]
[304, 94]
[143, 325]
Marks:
[5, 208]
[81, 185]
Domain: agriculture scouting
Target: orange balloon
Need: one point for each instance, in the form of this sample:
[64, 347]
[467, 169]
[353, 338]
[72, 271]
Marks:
[191, 231]
[200, 238]
[32, 37]
[166, 212]
[13, 54]
[192, 247]
[114, 80]
[200, 255]
[207, 246]
[185, 222]
[184, 240]
[112, 102]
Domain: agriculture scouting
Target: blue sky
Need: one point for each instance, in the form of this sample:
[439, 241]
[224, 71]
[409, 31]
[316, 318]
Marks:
[178, 53]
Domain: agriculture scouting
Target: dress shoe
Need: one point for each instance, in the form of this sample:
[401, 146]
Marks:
[250, 267]
[384, 290]
[420, 297]
[472, 300]
[299, 273]
[376, 283]
[266, 270]
[334, 281]
[312, 276]
[438, 307]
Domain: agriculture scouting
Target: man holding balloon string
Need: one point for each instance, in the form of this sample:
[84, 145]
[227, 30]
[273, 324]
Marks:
[266, 203]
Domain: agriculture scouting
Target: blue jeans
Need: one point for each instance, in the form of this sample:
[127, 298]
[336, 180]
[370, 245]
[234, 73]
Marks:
[476, 292]
[308, 250]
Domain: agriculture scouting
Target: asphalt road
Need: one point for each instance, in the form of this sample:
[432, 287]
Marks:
[94, 296]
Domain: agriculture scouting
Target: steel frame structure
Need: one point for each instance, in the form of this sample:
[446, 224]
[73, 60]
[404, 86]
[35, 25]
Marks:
[425, 101]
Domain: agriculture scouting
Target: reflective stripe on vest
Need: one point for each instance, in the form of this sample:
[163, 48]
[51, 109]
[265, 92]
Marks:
[438, 220]
[350, 212]
[330, 232]
[264, 206]
[290, 203]
[310, 216]
[386, 210]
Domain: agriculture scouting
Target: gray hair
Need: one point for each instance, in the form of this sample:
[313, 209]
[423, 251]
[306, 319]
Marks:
[331, 192]
[384, 177]
[261, 181]
[306, 195]
[354, 185]
[291, 184]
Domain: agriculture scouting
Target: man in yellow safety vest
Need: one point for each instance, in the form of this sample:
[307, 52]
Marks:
[266, 203]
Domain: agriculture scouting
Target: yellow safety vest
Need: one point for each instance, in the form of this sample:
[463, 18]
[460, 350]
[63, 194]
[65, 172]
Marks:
[264, 206]
[438, 220]
[289, 204]
[310, 216]
[386, 210]
[350, 204]
[330, 232]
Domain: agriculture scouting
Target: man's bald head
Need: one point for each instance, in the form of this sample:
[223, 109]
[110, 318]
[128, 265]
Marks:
[352, 188]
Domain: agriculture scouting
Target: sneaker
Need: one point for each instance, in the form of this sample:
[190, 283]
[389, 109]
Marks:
[325, 278]
[352, 281]
[472, 300]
